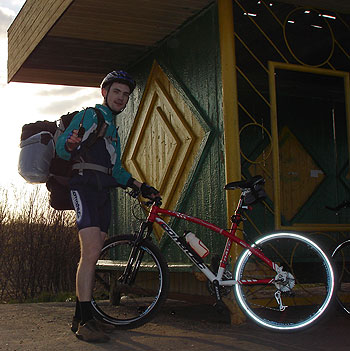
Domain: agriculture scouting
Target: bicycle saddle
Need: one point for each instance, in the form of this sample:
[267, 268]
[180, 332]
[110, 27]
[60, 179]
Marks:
[245, 184]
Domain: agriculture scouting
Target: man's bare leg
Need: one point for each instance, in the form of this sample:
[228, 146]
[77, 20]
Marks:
[91, 243]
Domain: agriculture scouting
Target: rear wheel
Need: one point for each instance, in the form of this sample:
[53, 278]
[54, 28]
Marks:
[296, 299]
[341, 259]
[133, 302]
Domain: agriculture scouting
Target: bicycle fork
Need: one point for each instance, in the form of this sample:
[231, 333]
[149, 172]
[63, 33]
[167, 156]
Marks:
[134, 261]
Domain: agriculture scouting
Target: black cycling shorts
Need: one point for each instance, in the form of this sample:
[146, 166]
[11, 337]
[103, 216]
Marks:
[92, 207]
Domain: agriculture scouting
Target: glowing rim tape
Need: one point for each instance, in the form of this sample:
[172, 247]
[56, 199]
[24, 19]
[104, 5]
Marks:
[329, 296]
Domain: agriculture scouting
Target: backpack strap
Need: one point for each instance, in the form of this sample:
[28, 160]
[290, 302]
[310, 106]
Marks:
[98, 133]
[91, 166]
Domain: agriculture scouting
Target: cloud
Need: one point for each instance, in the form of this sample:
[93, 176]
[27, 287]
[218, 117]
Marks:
[56, 91]
[14, 5]
[6, 18]
[17, 3]
[59, 107]
[3, 61]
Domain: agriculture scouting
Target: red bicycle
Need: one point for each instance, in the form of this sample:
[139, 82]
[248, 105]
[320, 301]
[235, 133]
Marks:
[284, 281]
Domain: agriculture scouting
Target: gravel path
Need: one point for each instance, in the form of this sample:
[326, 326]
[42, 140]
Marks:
[179, 327]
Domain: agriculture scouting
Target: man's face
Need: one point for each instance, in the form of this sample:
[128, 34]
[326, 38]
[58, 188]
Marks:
[117, 97]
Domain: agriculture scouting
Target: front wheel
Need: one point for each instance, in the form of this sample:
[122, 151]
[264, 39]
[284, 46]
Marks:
[341, 259]
[297, 300]
[132, 301]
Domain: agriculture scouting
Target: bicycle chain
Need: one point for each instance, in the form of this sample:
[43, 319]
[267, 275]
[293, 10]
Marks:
[269, 308]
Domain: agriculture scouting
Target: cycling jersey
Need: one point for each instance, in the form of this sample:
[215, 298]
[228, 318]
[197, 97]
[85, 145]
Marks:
[104, 152]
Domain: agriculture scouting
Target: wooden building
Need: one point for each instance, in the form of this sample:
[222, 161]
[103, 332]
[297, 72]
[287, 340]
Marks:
[226, 90]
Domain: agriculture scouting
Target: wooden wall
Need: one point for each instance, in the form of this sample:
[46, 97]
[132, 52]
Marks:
[35, 19]
[191, 61]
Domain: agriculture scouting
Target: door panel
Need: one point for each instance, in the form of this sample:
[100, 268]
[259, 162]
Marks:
[313, 147]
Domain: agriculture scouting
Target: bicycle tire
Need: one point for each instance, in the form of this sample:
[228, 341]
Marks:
[339, 256]
[129, 305]
[307, 292]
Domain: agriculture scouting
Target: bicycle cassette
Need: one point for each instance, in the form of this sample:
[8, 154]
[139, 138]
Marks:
[284, 281]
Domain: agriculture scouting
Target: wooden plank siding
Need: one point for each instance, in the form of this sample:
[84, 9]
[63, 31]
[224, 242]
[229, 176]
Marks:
[153, 20]
[35, 75]
[91, 37]
[140, 24]
[35, 19]
[192, 62]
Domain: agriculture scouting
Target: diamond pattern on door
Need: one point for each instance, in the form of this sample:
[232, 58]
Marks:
[166, 139]
[300, 175]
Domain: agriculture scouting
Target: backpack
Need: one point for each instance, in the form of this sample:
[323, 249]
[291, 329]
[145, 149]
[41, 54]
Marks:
[38, 162]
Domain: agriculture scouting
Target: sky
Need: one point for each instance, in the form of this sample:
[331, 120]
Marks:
[25, 103]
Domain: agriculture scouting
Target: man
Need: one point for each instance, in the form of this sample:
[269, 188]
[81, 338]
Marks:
[97, 169]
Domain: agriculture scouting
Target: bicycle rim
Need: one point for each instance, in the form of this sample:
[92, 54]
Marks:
[307, 294]
[129, 305]
[341, 259]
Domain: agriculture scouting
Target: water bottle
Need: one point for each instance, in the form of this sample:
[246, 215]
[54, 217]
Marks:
[197, 245]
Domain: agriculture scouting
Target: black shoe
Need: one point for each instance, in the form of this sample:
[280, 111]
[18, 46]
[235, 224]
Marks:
[105, 327]
[75, 324]
[91, 332]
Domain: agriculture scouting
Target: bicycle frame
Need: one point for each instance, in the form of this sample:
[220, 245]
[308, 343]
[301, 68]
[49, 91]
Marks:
[154, 217]
[139, 284]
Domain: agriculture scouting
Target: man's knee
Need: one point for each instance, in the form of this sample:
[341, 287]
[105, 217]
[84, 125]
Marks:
[90, 244]
[89, 257]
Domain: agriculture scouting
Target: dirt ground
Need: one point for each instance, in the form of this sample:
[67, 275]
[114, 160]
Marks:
[179, 326]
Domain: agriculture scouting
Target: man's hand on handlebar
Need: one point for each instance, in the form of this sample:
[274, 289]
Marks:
[147, 191]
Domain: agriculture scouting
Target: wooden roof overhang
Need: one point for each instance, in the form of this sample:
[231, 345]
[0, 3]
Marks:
[75, 42]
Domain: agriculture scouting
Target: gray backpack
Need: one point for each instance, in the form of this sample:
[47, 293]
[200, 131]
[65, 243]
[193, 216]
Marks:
[38, 162]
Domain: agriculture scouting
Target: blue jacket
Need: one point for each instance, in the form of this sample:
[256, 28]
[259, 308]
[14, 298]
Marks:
[104, 152]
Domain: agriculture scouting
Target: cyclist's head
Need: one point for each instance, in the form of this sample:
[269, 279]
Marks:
[120, 77]
[117, 97]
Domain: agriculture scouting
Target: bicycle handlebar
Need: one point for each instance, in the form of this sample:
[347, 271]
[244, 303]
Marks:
[135, 194]
[157, 201]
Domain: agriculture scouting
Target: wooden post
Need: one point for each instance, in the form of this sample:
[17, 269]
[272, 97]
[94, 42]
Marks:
[231, 125]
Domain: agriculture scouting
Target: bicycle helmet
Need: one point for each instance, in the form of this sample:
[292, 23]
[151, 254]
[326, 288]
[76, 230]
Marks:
[120, 77]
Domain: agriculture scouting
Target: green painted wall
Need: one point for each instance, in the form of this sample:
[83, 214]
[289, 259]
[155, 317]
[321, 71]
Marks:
[191, 58]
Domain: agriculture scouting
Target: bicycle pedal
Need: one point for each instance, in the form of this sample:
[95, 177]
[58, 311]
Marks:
[220, 307]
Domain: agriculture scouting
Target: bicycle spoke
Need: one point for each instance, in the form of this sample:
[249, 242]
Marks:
[122, 301]
[342, 264]
[306, 290]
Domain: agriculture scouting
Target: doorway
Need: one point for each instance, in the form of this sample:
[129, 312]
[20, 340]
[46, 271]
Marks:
[310, 128]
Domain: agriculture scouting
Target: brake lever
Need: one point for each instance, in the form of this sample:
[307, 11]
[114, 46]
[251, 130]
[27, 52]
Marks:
[135, 194]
